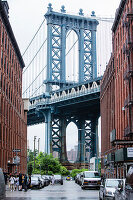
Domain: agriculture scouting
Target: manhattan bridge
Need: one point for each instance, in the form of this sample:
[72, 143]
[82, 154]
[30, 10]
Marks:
[62, 78]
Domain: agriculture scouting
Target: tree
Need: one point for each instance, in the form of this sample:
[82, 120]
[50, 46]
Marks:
[30, 168]
[74, 172]
[64, 171]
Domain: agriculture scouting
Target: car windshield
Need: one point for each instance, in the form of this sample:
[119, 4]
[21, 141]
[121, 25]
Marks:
[92, 175]
[37, 175]
[57, 176]
[114, 183]
[34, 178]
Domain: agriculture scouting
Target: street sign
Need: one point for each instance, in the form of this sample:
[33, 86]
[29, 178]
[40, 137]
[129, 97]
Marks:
[16, 150]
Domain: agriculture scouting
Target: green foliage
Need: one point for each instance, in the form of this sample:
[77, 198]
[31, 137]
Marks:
[30, 168]
[64, 171]
[30, 155]
[46, 164]
[74, 172]
[99, 167]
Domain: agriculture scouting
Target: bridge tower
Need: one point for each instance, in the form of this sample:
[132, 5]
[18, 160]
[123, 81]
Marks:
[58, 25]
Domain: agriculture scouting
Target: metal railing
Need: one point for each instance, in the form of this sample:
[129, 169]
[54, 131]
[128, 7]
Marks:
[72, 95]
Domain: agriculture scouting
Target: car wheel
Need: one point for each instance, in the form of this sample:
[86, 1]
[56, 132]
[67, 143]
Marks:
[82, 188]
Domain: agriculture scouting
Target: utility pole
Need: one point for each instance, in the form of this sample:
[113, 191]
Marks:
[84, 155]
[38, 144]
[34, 151]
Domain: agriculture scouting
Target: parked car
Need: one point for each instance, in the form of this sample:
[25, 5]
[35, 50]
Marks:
[2, 185]
[41, 178]
[68, 178]
[58, 179]
[109, 186]
[78, 179]
[46, 179]
[126, 192]
[35, 182]
[90, 179]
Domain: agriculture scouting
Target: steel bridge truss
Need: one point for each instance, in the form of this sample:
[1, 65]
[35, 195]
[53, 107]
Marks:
[86, 138]
[58, 26]
[58, 108]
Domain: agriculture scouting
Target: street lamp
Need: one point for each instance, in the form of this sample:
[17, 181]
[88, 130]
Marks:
[38, 144]
[40, 168]
[34, 151]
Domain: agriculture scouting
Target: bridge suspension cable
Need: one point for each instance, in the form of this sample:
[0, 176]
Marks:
[33, 37]
[36, 90]
[34, 73]
[35, 79]
[71, 47]
[35, 55]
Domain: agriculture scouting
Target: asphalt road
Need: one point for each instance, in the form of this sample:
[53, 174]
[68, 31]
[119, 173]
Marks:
[68, 191]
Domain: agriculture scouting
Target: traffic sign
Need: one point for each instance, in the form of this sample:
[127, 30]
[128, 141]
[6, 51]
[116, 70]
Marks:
[16, 150]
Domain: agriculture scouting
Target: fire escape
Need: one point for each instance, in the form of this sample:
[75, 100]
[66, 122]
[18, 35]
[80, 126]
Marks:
[128, 75]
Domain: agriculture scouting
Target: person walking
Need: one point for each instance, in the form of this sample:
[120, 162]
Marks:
[20, 182]
[53, 179]
[25, 183]
[12, 183]
[17, 183]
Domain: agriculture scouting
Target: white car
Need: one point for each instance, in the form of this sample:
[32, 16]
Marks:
[41, 179]
[109, 187]
[90, 179]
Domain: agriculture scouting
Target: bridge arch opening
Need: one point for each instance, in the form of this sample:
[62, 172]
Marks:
[72, 57]
[72, 142]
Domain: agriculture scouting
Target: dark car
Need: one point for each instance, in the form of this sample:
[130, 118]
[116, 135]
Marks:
[2, 185]
[58, 179]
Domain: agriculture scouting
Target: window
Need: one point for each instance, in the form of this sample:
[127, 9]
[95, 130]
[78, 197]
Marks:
[1, 81]
[1, 58]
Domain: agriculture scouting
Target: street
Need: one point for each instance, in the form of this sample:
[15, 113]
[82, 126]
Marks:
[68, 191]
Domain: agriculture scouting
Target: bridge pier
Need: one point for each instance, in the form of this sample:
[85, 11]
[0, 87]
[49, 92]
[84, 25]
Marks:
[48, 130]
[63, 157]
[87, 139]
[81, 141]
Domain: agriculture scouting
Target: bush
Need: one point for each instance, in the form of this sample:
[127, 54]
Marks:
[64, 171]
[74, 172]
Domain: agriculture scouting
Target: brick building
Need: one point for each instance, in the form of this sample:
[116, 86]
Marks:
[117, 97]
[13, 121]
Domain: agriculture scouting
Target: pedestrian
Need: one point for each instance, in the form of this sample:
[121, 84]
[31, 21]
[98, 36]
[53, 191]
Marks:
[25, 183]
[20, 182]
[12, 183]
[9, 181]
[17, 183]
[29, 182]
[53, 179]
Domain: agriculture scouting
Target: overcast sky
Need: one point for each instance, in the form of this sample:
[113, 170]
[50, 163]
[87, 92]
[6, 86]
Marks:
[26, 16]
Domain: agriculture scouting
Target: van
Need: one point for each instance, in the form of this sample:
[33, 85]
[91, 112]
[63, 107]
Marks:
[2, 185]
[90, 179]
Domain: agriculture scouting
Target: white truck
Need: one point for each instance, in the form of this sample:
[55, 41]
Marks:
[90, 179]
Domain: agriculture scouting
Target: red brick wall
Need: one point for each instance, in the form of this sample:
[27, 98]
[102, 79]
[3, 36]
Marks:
[117, 82]
[13, 128]
[107, 107]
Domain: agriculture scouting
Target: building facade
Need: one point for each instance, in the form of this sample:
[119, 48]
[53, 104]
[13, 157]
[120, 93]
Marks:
[13, 118]
[117, 97]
